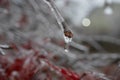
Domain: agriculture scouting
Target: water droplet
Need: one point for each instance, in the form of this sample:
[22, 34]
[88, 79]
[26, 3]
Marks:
[108, 10]
[67, 40]
[66, 48]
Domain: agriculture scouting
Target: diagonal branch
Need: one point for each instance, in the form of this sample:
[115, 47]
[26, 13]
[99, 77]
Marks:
[67, 33]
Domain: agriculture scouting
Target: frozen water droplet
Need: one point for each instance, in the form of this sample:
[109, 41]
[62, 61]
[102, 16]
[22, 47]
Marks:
[68, 36]
[66, 50]
[108, 10]
[67, 39]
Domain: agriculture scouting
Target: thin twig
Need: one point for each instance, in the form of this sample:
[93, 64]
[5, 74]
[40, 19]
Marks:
[96, 45]
[79, 46]
[55, 11]
[67, 33]
[102, 38]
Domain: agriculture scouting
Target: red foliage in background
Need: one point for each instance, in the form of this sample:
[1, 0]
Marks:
[27, 61]
[26, 67]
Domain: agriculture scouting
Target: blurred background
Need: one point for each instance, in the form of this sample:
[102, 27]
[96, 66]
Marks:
[32, 33]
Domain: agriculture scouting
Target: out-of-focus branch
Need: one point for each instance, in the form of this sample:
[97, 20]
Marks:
[98, 59]
[96, 45]
[80, 47]
[67, 33]
[94, 39]
[102, 38]
[3, 47]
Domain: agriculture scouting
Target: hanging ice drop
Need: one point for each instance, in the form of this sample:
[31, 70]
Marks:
[108, 10]
[66, 48]
[67, 33]
[68, 36]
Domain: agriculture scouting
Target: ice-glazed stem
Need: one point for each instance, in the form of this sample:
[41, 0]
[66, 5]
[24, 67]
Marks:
[67, 33]
[55, 11]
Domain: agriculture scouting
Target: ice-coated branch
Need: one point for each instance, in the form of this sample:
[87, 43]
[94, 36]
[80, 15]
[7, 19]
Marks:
[55, 11]
[67, 33]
